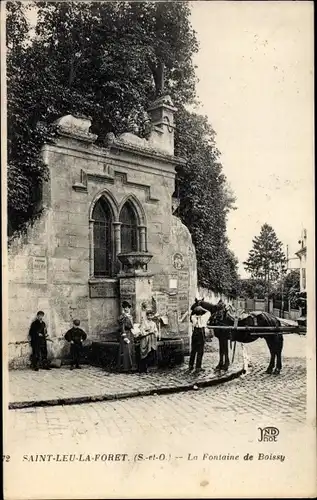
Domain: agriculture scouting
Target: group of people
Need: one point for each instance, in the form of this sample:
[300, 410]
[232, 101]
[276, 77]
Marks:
[38, 337]
[130, 359]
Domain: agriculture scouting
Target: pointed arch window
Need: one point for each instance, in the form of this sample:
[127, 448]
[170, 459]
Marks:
[129, 229]
[103, 240]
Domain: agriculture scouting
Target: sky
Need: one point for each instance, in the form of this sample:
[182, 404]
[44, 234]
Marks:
[255, 70]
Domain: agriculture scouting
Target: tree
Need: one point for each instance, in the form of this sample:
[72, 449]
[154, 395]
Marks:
[288, 288]
[205, 201]
[100, 59]
[25, 168]
[106, 60]
[266, 259]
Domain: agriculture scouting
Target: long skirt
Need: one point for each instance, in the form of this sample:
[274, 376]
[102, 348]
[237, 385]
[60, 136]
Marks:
[127, 358]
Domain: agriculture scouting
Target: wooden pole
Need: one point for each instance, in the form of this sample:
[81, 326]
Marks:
[262, 329]
[236, 319]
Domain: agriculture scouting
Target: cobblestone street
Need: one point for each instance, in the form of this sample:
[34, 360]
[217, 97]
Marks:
[245, 399]
[62, 386]
[170, 429]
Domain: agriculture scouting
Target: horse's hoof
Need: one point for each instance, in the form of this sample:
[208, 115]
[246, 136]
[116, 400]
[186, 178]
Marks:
[276, 372]
[269, 371]
[225, 368]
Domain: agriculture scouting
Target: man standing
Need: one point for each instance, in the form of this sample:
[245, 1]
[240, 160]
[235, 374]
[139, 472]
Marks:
[38, 336]
[75, 336]
[199, 319]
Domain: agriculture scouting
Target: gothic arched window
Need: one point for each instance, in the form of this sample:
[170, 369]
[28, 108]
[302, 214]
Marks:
[103, 242]
[129, 229]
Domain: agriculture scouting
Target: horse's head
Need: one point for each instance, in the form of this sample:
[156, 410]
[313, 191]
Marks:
[219, 313]
[196, 303]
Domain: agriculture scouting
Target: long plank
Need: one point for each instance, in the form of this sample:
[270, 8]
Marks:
[261, 329]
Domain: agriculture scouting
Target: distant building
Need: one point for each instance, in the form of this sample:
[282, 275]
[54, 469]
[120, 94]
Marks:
[302, 255]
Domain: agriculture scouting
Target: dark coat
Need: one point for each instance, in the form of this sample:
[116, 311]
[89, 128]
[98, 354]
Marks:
[127, 356]
[37, 331]
[76, 335]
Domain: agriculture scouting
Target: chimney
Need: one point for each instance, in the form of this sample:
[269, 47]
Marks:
[161, 112]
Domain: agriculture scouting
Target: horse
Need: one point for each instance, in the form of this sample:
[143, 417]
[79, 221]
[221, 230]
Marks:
[225, 315]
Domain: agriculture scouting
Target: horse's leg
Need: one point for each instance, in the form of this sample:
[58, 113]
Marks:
[248, 356]
[219, 365]
[270, 345]
[245, 359]
[226, 354]
[279, 347]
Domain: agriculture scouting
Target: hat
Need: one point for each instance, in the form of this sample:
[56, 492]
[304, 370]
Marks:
[125, 304]
[199, 311]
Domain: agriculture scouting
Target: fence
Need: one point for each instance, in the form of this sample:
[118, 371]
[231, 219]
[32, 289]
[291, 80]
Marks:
[251, 304]
[255, 305]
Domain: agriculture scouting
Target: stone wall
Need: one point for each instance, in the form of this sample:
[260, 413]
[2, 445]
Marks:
[51, 267]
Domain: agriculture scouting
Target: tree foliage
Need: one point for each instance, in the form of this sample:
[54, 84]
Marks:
[100, 59]
[251, 288]
[266, 259]
[104, 60]
[205, 201]
[288, 288]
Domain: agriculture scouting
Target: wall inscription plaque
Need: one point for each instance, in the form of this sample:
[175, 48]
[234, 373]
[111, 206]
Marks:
[104, 289]
[39, 267]
[183, 280]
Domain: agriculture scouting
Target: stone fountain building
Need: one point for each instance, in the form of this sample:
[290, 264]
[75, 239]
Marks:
[107, 233]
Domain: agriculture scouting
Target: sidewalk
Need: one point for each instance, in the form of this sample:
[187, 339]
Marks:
[60, 386]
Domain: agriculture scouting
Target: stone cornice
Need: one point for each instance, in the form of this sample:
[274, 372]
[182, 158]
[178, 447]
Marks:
[145, 152]
[82, 185]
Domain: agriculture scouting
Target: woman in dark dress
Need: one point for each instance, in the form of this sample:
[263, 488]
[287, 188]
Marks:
[127, 358]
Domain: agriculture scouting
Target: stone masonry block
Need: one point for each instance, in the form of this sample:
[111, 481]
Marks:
[80, 219]
[77, 230]
[60, 217]
[61, 264]
[80, 241]
[67, 252]
[22, 270]
[70, 206]
[79, 266]
[61, 241]
[76, 207]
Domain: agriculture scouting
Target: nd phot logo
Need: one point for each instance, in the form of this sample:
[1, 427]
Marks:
[268, 434]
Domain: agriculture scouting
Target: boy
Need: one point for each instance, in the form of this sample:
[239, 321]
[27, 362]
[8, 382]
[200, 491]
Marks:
[75, 336]
[38, 336]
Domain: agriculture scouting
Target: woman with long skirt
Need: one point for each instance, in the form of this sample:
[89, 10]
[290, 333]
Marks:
[127, 358]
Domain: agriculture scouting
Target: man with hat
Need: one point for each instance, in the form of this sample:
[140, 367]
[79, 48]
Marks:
[38, 337]
[199, 318]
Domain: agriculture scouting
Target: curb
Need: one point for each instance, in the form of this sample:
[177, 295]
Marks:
[125, 395]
